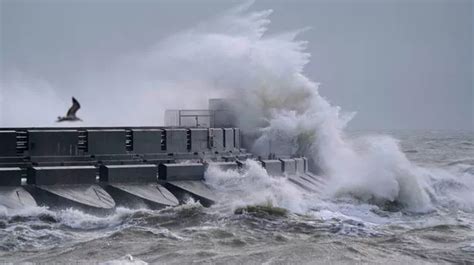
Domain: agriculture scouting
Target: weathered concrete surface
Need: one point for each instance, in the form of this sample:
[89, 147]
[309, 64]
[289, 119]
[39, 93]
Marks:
[8, 143]
[217, 139]
[176, 141]
[61, 175]
[236, 138]
[140, 173]
[273, 167]
[147, 141]
[300, 165]
[15, 198]
[228, 139]
[10, 176]
[53, 142]
[106, 141]
[151, 193]
[88, 195]
[199, 140]
[197, 188]
[184, 171]
[289, 166]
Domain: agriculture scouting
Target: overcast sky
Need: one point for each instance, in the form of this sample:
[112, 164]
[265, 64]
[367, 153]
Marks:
[398, 64]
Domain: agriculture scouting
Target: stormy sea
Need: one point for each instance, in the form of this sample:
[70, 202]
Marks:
[283, 228]
[385, 197]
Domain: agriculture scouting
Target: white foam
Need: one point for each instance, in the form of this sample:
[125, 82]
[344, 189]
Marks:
[252, 185]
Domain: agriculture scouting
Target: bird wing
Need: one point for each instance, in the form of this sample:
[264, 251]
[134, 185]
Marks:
[73, 109]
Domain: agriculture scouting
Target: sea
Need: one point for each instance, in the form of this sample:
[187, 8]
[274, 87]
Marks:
[282, 228]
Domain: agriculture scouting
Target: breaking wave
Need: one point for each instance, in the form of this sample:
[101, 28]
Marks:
[233, 57]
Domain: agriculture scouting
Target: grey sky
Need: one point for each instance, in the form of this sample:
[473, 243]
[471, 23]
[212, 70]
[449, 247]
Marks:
[399, 64]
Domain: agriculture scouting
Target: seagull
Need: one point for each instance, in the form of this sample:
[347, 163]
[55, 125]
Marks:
[71, 113]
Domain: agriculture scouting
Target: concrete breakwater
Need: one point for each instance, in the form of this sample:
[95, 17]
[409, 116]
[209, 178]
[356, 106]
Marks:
[97, 169]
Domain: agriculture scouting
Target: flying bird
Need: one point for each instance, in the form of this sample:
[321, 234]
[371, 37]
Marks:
[71, 113]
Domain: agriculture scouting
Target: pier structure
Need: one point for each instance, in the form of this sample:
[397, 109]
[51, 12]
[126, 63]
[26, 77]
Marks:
[99, 168]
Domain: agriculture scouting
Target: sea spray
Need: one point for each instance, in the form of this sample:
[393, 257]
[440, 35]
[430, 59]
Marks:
[232, 56]
[252, 185]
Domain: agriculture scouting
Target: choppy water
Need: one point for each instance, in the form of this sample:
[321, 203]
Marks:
[335, 230]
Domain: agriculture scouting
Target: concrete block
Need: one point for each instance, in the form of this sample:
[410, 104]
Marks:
[7, 143]
[107, 141]
[300, 167]
[176, 141]
[199, 140]
[237, 138]
[273, 167]
[289, 166]
[10, 176]
[305, 164]
[53, 142]
[217, 139]
[61, 175]
[174, 172]
[224, 165]
[228, 139]
[128, 173]
[147, 141]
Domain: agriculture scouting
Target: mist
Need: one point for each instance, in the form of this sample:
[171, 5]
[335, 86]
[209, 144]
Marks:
[398, 64]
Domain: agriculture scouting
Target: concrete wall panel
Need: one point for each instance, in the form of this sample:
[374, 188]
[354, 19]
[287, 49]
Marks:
[300, 167]
[176, 141]
[236, 138]
[289, 166]
[228, 139]
[110, 141]
[53, 142]
[61, 175]
[147, 141]
[305, 164]
[10, 176]
[217, 138]
[173, 172]
[7, 143]
[199, 140]
[128, 173]
[273, 167]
